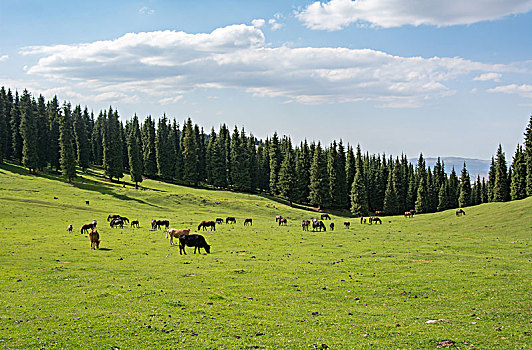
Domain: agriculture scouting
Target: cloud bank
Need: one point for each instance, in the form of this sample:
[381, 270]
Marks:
[169, 64]
[338, 14]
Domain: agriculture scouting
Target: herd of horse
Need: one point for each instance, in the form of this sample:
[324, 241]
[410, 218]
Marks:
[198, 241]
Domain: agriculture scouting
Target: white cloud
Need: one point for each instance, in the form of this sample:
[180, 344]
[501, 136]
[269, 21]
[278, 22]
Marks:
[489, 76]
[4, 58]
[170, 100]
[338, 14]
[524, 90]
[168, 64]
[274, 24]
[146, 11]
[259, 22]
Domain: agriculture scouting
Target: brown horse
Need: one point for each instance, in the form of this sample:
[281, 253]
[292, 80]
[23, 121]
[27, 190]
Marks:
[248, 221]
[278, 217]
[94, 238]
[219, 220]
[325, 217]
[460, 212]
[85, 228]
[305, 224]
[204, 224]
[112, 216]
[408, 214]
[347, 224]
[282, 221]
[318, 224]
[374, 219]
[230, 219]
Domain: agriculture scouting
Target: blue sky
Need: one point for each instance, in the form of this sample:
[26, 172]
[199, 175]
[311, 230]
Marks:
[447, 78]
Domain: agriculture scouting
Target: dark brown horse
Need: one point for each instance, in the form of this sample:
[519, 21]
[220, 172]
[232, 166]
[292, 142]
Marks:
[112, 216]
[135, 223]
[164, 223]
[124, 219]
[347, 224]
[317, 224]
[219, 220]
[282, 221]
[408, 214]
[85, 228]
[204, 224]
[325, 217]
[278, 217]
[305, 224]
[375, 219]
[153, 224]
[248, 221]
[230, 219]
[460, 212]
[117, 222]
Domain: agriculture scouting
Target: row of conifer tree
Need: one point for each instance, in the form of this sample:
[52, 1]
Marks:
[44, 135]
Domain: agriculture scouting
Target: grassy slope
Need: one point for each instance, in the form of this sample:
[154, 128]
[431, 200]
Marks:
[374, 284]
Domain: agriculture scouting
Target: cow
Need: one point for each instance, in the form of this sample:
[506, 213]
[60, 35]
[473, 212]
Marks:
[248, 221]
[70, 228]
[85, 228]
[94, 238]
[117, 222]
[195, 240]
[219, 220]
[332, 226]
[283, 221]
[230, 219]
[135, 223]
[204, 224]
[347, 224]
[174, 233]
[305, 224]
[325, 217]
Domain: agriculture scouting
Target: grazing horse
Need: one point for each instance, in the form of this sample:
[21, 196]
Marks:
[195, 240]
[375, 220]
[175, 233]
[230, 219]
[412, 211]
[318, 224]
[112, 216]
[362, 220]
[204, 224]
[408, 214]
[85, 228]
[460, 212]
[248, 221]
[70, 228]
[135, 223]
[278, 217]
[164, 223]
[94, 222]
[94, 238]
[117, 222]
[153, 224]
[219, 220]
[332, 226]
[124, 219]
[325, 217]
[347, 224]
[282, 221]
[305, 224]
[87, 202]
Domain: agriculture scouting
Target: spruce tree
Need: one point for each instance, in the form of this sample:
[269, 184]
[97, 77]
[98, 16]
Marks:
[287, 178]
[464, 199]
[443, 199]
[253, 164]
[350, 167]
[149, 157]
[501, 190]
[164, 150]
[112, 147]
[332, 168]
[134, 151]
[421, 196]
[391, 202]
[176, 139]
[343, 191]
[518, 180]
[3, 125]
[29, 132]
[97, 139]
[453, 189]
[80, 135]
[190, 154]
[359, 196]
[275, 164]
[491, 180]
[66, 143]
[8, 106]
[54, 118]
[528, 156]
[302, 180]
[319, 187]
[43, 140]
[411, 193]
[16, 137]
[201, 149]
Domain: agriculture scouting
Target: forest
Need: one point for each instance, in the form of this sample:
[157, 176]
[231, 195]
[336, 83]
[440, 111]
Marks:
[49, 136]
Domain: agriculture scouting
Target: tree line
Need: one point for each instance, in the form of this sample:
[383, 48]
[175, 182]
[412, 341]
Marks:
[42, 135]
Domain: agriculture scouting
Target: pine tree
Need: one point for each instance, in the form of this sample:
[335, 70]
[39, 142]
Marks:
[528, 157]
[80, 135]
[28, 131]
[54, 118]
[501, 191]
[149, 158]
[218, 176]
[287, 178]
[66, 143]
[112, 147]
[8, 107]
[190, 154]
[253, 164]
[464, 199]
[266, 166]
[302, 180]
[342, 199]
[518, 180]
[164, 150]
[16, 137]
[201, 149]
[319, 187]
[332, 174]
[411, 193]
[134, 151]
[491, 180]
[350, 167]
[3, 125]
[43, 141]
[453, 189]
[391, 202]
[443, 199]
[422, 199]
[275, 164]
[176, 140]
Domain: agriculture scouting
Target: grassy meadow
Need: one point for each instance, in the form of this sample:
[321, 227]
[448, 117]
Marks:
[436, 280]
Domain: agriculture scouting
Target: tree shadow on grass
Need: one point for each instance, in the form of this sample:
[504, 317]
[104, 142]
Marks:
[105, 249]
[338, 212]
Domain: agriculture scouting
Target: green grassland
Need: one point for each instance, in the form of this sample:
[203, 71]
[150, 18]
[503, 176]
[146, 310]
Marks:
[262, 287]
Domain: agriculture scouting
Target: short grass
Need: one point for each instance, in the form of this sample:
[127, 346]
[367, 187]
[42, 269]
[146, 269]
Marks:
[262, 287]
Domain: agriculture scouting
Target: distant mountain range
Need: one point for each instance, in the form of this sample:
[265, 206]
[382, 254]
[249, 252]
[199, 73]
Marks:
[474, 166]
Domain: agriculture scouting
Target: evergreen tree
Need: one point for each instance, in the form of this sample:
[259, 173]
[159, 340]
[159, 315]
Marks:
[411, 194]
[66, 143]
[176, 141]
[16, 137]
[391, 202]
[112, 147]
[432, 193]
[453, 189]
[253, 164]
[201, 149]
[342, 199]
[54, 118]
[218, 176]
[287, 178]
[501, 191]
[332, 168]
[319, 187]
[350, 167]
[164, 150]
[275, 164]
[43, 140]
[134, 151]
[464, 199]
[528, 157]
[97, 139]
[302, 171]
[421, 196]
[190, 154]
[266, 166]
[443, 197]
[28, 131]
[149, 154]
[3, 125]
[518, 180]
[491, 180]
[81, 139]
[484, 193]
[359, 196]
